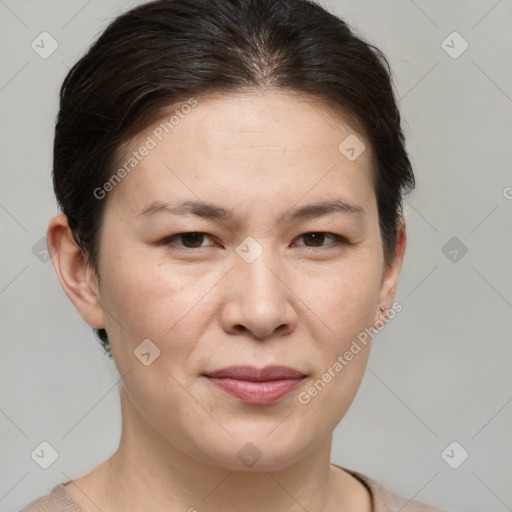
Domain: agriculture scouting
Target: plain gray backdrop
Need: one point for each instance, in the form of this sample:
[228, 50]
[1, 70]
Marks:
[439, 373]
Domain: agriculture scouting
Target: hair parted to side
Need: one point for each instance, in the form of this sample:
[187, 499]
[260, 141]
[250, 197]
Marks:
[164, 52]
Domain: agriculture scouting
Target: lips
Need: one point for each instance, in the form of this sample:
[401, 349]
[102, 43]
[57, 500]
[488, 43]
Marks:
[257, 375]
[256, 386]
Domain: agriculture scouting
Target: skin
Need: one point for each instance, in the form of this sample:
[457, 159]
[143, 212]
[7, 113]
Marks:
[301, 303]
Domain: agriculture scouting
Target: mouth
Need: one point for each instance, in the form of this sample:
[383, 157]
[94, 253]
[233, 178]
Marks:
[256, 386]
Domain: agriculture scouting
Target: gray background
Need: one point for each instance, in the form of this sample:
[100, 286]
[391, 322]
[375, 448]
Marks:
[438, 373]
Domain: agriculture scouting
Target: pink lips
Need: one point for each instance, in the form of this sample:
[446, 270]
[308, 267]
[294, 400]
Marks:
[256, 386]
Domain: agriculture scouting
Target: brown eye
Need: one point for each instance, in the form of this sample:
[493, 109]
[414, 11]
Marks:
[317, 239]
[194, 239]
[190, 240]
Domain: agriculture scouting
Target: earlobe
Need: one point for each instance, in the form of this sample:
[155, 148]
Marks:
[390, 276]
[76, 277]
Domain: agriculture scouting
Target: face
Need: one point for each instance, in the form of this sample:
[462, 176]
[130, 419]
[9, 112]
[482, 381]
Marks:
[258, 278]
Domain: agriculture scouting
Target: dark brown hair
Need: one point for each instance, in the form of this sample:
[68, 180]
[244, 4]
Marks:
[167, 51]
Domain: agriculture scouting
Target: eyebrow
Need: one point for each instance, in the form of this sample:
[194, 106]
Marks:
[211, 211]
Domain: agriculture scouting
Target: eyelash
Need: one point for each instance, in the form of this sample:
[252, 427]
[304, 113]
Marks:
[168, 241]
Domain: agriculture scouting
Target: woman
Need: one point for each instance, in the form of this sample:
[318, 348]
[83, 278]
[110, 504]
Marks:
[230, 175]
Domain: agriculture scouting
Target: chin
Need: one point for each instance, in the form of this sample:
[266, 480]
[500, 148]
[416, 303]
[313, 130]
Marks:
[244, 452]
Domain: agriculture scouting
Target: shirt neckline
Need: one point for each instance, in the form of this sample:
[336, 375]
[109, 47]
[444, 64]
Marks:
[62, 491]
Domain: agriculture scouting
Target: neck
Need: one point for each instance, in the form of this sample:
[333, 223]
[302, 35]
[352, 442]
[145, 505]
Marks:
[147, 473]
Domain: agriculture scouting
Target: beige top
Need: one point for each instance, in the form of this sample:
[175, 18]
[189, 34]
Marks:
[383, 499]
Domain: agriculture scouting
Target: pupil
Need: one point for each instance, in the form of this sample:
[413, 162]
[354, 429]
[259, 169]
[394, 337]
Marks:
[318, 236]
[195, 237]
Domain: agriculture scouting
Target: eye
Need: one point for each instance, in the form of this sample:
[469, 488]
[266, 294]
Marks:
[195, 240]
[318, 237]
[191, 240]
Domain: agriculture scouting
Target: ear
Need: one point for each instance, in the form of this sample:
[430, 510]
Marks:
[390, 275]
[76, 277]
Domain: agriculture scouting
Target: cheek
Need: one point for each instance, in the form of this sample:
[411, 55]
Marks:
[161, 302]
[343, 299]
[344, 309]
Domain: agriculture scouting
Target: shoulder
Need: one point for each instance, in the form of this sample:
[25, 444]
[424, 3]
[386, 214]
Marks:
[57, 501]
[385, 500]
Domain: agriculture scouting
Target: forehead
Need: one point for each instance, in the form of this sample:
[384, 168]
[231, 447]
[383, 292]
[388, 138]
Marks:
[259, 146]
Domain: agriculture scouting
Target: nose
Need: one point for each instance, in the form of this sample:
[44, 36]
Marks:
[259, 300]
